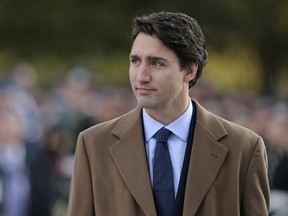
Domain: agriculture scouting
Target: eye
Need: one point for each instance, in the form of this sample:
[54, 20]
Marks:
[157, 63]
[134, 61]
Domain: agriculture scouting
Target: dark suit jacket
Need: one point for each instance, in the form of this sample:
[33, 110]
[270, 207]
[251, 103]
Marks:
[227, 175]
[43, 188]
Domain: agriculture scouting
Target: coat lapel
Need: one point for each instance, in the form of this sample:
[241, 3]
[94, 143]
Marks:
[130, 158]
[206, 160]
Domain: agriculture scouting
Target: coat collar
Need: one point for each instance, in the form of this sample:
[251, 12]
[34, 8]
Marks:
[206, 160]
[129, 155]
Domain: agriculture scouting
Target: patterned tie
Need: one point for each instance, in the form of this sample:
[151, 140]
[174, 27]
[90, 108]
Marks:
[163, 184]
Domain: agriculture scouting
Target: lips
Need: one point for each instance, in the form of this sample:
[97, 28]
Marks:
[144, 90]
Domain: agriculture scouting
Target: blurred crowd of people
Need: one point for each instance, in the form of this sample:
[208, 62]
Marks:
[39, 128]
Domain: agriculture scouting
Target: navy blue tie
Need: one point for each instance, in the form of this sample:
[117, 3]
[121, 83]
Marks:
[163, 183]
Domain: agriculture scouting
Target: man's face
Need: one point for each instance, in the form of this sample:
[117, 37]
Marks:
[155, 75]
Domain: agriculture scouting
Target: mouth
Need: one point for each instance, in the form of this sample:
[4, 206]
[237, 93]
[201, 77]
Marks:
[144, 91]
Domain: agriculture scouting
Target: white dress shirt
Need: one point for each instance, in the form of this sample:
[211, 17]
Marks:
[177, 141]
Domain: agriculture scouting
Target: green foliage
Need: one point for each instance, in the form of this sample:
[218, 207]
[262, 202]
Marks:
[232, 69]
[48, 33]
[115, 66]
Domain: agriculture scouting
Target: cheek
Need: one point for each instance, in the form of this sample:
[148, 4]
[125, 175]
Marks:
[131, 75]
[175, 82]
[176, 77]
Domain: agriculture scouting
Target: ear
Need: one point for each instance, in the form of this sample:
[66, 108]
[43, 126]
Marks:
[190, 72]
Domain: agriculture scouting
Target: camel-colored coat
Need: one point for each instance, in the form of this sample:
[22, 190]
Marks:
[227, 174]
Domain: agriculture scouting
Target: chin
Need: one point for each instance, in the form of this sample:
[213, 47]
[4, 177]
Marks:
[147, 104]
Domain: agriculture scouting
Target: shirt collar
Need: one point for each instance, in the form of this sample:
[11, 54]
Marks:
[179, 127]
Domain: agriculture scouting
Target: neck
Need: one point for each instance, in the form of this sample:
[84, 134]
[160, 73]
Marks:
[168, 115]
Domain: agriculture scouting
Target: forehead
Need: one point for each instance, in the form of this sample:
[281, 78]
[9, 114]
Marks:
[147, 45]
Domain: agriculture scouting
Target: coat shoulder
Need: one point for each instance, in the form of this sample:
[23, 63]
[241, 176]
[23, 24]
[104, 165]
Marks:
[114, 128]
[227, 132]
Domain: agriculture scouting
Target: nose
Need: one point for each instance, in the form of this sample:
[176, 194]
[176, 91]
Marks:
[143, 74]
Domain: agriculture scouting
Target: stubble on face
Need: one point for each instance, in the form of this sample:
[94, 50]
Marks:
[156, 78]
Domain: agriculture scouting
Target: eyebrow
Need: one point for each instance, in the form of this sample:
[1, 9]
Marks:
[133, 56]
[150, 58]
[153, 58]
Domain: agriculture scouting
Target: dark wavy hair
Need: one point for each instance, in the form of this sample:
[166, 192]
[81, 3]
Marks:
[180, 33]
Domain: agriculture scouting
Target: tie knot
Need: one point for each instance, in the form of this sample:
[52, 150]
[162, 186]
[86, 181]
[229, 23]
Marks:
[162, 135]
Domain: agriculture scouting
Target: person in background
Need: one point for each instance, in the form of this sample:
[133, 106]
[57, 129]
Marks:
[169, 156]
[279, 189]
[26, 184]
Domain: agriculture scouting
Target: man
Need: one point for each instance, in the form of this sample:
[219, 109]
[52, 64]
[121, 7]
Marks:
[219, 168]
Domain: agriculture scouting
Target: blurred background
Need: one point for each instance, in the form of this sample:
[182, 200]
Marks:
[64, 67]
